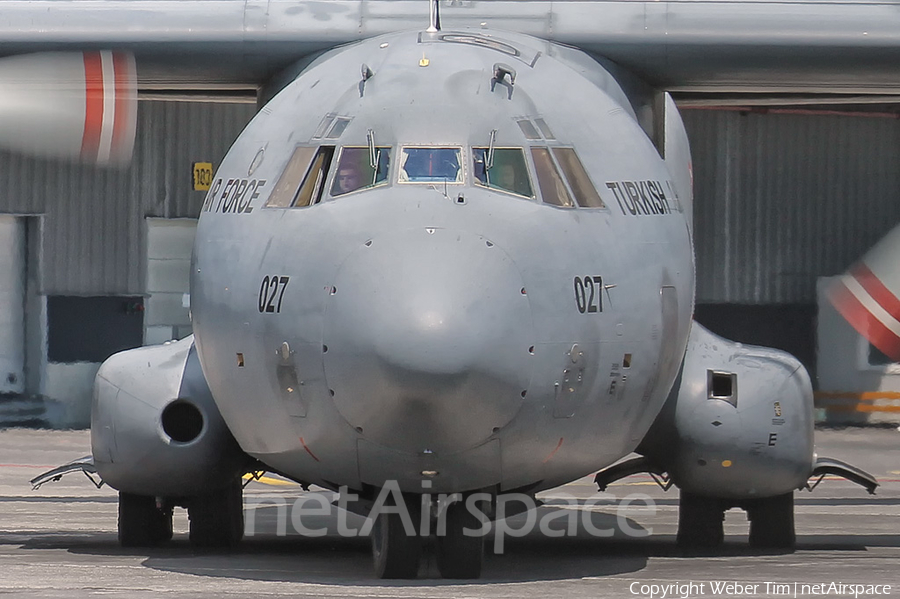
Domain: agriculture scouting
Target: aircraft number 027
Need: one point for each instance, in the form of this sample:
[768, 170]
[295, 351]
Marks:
[588, 298]
[271, 292]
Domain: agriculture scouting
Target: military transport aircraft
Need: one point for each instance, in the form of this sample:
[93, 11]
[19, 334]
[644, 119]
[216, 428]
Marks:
[448, 254]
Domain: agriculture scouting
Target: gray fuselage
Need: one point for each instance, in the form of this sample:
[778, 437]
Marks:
[425, 329]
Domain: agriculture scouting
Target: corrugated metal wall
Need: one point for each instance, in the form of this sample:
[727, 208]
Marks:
[93, 219]
[784, 198]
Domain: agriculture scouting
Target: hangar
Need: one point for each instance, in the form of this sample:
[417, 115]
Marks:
[94, 261]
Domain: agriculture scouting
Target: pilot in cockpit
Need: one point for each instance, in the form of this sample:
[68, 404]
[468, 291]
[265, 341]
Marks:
[348, 178]
[355, 169]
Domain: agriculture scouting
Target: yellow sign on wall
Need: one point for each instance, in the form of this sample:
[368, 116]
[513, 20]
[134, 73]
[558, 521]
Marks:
[203, 174]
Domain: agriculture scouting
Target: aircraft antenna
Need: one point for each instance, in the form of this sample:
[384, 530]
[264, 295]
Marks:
[435, 16]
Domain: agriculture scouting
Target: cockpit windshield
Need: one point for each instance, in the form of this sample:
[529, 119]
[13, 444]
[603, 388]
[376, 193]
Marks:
[431, 165]
[504, 169]
[355, 170]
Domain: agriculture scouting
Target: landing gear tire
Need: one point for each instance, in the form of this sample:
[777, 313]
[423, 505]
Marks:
[141, 522]
[217, 519]
[772, 522]
[700, 521]
[395, 552]
[459, 556]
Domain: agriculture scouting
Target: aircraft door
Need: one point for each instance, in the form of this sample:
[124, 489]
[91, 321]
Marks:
[12, 305]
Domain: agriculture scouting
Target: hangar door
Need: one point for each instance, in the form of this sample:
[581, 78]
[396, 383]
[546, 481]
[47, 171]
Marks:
[12, 304]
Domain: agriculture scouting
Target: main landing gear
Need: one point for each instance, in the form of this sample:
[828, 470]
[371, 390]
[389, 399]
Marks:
[142, 522]
[700, 521]
[701, 518]
[772, 522]
[216, 518]
[398, 539]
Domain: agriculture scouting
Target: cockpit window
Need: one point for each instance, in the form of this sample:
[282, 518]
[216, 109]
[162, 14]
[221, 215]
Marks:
[545, 129]
[355, 171]
[285, 190]
[508, 172]
[553, 190]
[314, 163]
[340, 124]
[311, 190]
[431, 165]
[585, 193]
[528, 129]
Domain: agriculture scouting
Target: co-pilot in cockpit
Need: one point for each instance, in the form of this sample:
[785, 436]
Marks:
[356, 171]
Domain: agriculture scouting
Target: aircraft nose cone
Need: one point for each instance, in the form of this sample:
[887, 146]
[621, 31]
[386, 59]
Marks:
[428, 334]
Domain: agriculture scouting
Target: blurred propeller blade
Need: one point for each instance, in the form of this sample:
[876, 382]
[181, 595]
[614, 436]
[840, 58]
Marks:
[867, 295]
[75, 105]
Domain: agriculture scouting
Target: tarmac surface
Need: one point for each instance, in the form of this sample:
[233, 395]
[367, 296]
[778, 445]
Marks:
[60, 540]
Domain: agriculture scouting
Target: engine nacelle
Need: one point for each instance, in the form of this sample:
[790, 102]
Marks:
[738, 423]
[77, 105]
[155, 428]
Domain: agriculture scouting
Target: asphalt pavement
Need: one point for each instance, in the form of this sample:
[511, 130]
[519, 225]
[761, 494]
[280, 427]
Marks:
[60, 540]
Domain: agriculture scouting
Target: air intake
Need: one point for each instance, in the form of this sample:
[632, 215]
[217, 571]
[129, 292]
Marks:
[182, 421]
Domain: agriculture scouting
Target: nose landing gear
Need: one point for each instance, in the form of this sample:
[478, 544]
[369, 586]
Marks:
[397, 545]
[400, 533]
[459, 555]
